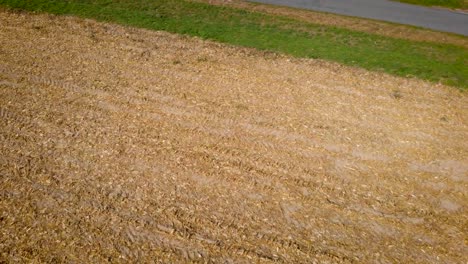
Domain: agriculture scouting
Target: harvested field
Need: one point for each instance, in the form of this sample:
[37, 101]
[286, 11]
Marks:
[127, 145]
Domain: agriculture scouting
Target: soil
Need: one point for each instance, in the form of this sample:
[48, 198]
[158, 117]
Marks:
[127, 145]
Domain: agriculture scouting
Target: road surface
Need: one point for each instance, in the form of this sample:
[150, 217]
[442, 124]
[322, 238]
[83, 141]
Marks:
[432, 18]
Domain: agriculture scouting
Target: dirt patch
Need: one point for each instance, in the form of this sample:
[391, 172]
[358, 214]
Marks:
[110, 151]
[358, 24]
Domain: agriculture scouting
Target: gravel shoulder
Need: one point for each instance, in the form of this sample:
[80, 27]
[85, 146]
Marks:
[121, 144]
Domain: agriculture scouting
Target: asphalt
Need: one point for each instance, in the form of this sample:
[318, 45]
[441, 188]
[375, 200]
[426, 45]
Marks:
[433, 18]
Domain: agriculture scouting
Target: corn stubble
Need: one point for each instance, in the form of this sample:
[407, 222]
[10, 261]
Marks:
[112, 152]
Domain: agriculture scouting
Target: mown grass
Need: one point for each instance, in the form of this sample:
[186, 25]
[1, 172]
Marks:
[463, 4]
[430, 61]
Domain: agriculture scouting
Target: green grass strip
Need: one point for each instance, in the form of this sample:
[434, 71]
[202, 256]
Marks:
[445, 3]
[429, 61]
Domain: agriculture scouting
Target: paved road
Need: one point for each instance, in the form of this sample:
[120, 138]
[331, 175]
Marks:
[437, 19]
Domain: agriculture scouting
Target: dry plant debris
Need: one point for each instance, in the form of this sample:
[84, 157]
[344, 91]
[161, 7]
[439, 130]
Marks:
[127, 145]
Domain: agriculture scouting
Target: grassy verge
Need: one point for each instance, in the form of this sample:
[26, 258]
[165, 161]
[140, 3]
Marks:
[463, 4]
[430, 61]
